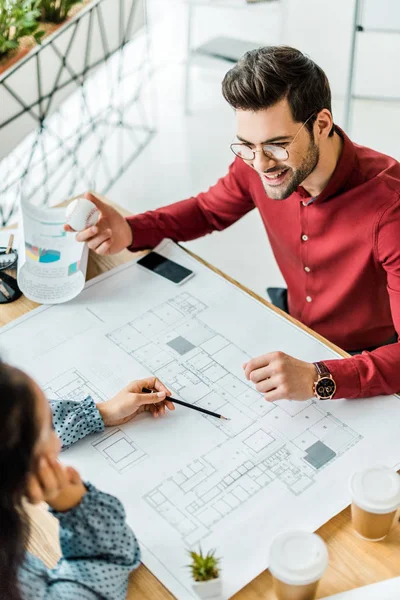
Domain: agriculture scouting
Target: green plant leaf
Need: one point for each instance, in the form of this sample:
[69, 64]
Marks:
[204, 567]
[17, 19]
[38, 36]
[56, 11]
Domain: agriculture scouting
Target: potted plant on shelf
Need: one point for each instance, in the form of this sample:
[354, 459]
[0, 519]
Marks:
[18, 19]
[36, 79]
[206, 574]
[56, 11]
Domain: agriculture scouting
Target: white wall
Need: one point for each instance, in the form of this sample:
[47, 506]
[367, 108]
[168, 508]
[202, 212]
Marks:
[323, 29]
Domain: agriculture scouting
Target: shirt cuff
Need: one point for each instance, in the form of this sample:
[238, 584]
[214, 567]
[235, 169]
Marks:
[147, 231]
[346, 377]
[91, 414]
[131, 248]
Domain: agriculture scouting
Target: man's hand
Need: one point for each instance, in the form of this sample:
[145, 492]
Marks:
[279, 376]
[131, 401]
[58, 485]
[110, 235]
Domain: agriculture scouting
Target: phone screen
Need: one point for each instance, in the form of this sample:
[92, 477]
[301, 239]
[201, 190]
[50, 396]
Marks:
[165, 267]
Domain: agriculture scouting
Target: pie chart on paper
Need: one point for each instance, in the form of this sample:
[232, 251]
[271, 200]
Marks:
[42, 255]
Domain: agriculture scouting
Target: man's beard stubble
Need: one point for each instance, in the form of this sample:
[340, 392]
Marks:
[298, 175]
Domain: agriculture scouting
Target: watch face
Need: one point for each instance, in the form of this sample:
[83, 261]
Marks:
[325, 387]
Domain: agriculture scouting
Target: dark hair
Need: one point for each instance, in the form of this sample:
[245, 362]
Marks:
[18, 435]
[264, 76]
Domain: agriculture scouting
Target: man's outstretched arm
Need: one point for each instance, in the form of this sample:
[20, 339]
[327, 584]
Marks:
[224, 204]
[221, 206]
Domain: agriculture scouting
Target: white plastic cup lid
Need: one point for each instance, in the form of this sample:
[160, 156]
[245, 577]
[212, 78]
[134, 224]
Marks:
[298, 557]
[376, 490]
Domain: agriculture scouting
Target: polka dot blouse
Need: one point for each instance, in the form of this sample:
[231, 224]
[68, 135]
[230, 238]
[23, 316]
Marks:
[98, 548]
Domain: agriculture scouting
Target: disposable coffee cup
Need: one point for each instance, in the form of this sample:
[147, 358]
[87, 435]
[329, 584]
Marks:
[375, 499]
[297, 562]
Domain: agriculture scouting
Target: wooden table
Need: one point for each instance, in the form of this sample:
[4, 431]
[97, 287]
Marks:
[353, 562]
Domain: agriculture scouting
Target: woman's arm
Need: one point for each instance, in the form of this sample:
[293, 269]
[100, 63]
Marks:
[99, 551]
[74, 420]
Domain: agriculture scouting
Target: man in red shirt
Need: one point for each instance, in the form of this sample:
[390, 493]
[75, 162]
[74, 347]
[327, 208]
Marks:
[331, 210]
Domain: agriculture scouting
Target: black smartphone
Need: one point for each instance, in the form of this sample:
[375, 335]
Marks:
[165, 268]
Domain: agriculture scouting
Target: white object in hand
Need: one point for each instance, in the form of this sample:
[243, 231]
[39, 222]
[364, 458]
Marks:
[81, 214]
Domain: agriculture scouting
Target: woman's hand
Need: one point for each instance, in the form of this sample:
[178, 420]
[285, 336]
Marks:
[58, 485]
[131, 401]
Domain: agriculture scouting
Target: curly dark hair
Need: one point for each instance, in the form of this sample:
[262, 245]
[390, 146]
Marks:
[264, 76]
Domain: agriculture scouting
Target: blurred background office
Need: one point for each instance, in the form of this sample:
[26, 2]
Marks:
[124, 97]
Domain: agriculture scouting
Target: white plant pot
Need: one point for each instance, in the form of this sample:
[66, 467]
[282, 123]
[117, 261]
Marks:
[208, 589]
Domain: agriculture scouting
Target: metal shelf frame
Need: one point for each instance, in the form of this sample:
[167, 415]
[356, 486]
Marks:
[349, 95]
[29, 169]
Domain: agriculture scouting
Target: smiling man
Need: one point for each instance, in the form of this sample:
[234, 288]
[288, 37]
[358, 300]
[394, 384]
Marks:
[331, 210]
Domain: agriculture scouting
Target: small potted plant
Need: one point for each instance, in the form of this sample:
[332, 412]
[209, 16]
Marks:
[205, 573]
[17, 20]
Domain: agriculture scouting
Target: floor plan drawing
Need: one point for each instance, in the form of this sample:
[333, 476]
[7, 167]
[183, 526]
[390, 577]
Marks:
[115, 445]
[72, 385]
[192, 359]
[119, 450]
[286, 442]
[212, 487]
[188, 479]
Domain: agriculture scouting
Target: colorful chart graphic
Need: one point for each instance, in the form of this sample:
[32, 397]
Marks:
[43, 255]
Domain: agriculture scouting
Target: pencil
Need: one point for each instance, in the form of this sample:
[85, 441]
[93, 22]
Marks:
[198, 408]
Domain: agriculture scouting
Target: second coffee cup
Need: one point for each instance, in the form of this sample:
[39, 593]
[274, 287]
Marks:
[375, 499]
[297, 562]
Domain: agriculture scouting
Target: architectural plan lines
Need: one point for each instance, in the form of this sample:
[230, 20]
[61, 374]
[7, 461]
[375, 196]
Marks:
[72, 385]
[115, 445]
[210, 488]
[119, 450]
[192, 359]
[286, 443]
[188, 478]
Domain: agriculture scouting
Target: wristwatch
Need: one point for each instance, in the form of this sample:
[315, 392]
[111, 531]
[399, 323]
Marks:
[325, 386]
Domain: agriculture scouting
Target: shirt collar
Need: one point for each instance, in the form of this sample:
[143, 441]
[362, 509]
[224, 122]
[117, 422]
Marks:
[341, 174]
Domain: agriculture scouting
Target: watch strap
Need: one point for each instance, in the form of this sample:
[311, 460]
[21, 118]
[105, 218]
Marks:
[322, 369]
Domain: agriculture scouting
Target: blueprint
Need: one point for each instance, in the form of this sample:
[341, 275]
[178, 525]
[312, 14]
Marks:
[289, 442]
[189, 479]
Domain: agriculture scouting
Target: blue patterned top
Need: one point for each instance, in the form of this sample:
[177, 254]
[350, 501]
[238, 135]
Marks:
[98, 548]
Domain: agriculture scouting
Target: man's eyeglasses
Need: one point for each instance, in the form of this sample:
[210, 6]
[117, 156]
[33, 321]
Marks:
[9, 290]
[276, 153]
